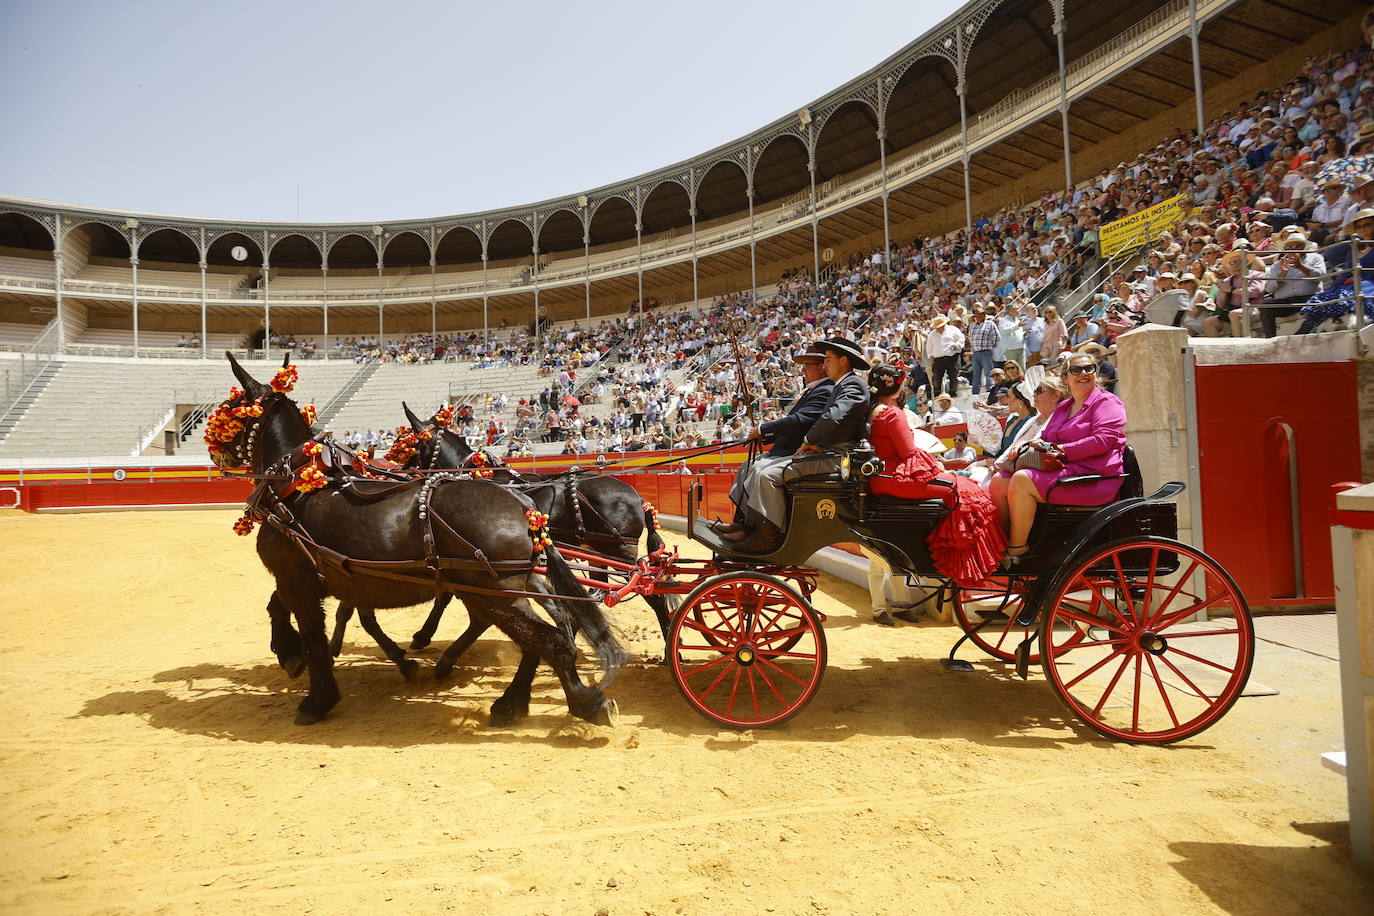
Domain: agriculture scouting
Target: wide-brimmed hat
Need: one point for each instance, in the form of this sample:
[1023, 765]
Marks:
[1366, 213]
[842, 347]
[1093, 348]
[813, 352]
[943, 397]
[939, 321]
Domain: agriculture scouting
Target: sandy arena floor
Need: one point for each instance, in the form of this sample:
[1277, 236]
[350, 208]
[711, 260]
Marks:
[150, 765]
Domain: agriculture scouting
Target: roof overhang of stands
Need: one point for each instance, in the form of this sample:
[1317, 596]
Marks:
[994, 50]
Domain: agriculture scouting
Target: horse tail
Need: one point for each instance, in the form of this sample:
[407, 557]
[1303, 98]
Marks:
[655, 542]
[584, 615]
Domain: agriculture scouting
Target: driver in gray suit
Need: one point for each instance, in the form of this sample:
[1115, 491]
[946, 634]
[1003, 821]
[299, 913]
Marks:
[839, 427]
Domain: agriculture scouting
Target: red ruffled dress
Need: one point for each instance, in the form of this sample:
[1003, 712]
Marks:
[968, 543]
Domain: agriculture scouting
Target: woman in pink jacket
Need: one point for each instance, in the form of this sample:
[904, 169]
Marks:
[1087, 433]
[1056, 333]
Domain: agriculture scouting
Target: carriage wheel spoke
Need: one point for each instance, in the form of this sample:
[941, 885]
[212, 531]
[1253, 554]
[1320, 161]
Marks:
[723, 650]
[1163, 694]
[1123, 588]
[1149, 585]
[753, 691]
[1135, 697]
[1097, 593]
[1173, 636]
[719, 677]
[1106, 658]
[782, 671]
[771, 687]
[771, 638]
[711, 664]
[783, 653]
[1090, 621]
[1205, 661]
[1173, 593]
[1194, 687]
[1167, 621]
[1102, 701]
[734, 688]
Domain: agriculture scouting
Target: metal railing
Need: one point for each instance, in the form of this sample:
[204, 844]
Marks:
[32, 361]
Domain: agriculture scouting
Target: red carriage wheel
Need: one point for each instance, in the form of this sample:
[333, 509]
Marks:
[998, 600]
[747, 650]
[1146, 669]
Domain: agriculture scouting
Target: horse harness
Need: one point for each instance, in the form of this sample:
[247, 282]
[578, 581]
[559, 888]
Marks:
[280, 485]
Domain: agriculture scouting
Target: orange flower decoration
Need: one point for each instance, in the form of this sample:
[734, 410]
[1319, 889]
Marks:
[539, 528]
[285, 379]
[310, 479]
[309, 414]
[244, 526]
[445, 416]
[313, 448]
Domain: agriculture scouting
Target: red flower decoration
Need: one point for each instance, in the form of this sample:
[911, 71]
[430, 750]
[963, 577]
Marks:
[285, 379]
[309, 414]
[310, 479]
[244, 526]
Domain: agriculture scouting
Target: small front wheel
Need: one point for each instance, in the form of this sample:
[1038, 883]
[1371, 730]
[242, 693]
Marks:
[1165, 640]
[746, 650]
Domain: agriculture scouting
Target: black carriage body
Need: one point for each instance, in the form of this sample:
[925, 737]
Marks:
[831, 509]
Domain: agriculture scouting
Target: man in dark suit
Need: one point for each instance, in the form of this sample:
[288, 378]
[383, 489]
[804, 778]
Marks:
[840, 425]
[785, 433]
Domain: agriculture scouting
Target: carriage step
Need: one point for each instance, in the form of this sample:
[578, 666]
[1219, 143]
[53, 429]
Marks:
[956, 664]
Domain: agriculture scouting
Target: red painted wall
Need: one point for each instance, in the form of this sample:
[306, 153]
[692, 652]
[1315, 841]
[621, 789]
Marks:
[1244, 467]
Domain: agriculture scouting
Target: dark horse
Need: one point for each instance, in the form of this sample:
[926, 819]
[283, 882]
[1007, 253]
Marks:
[603, 514]
[325, 532]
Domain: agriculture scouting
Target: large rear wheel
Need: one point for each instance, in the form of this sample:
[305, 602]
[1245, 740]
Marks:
[1161, 655]
[746, 650]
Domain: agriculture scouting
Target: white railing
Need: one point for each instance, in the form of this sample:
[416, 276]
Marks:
[33, 359]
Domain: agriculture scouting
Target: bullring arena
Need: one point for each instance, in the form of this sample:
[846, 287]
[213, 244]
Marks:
[172, 742]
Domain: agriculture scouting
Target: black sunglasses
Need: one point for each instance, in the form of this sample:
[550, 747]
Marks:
[1082, 370]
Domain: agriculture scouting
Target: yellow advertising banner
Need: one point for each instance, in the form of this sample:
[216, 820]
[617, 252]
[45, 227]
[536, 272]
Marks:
[1140, 228]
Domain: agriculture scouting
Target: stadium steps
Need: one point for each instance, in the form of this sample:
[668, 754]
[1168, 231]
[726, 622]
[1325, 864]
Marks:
[337, 403]
[27, 399]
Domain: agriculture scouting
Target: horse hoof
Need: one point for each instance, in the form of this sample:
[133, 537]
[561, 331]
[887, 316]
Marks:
[502, 716]
[419, 642]
[442, 671]
[608, 713]
[293, 666]
[408, 668]
[308, 717]
[336, 650]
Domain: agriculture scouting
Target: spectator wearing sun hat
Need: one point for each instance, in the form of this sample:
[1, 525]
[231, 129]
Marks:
[1292, 279]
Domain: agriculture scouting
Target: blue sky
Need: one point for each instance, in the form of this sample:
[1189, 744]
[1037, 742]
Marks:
[391, 110]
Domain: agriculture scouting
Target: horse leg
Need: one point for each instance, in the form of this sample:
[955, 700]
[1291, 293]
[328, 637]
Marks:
[407, 666]
[527, 629]
[341, 618]
[286, 642]
[323, 694]
[514, 704]
[444, 666]
[425, 634]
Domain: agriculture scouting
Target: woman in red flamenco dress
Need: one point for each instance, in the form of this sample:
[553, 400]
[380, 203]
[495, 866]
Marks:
[967, 545]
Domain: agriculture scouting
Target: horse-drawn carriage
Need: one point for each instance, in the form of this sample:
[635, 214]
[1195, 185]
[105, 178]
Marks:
[1143, 637]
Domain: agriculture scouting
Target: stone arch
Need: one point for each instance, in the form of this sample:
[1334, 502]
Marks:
[722, 189]
[20, 230]
[510, 239]
[406, 248]
[351, 251]
[219, 252]
[295, 250]
[171, 245]
[668, 206]
[781, 168]
[458, 245]
[613, 220]
[561, 230]
[848, 139]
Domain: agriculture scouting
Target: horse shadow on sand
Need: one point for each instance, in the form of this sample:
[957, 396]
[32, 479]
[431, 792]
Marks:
[889, 697]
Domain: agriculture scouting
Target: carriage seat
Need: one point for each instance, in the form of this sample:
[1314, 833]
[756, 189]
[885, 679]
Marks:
[1132, 487]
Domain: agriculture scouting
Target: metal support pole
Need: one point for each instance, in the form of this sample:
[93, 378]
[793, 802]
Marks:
[887, 232]
[753, 262]
[963, 127]
[534, 276]
[639, 262]
[587, 274]
[1060, 26]
[62, 340]
[486, 335]
[815, 228]
[433, 302]
[696, 293]
[324, 270]
[266, 310]
[1194, 31]
[204, 334]
[381, 320]
[133, 260]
